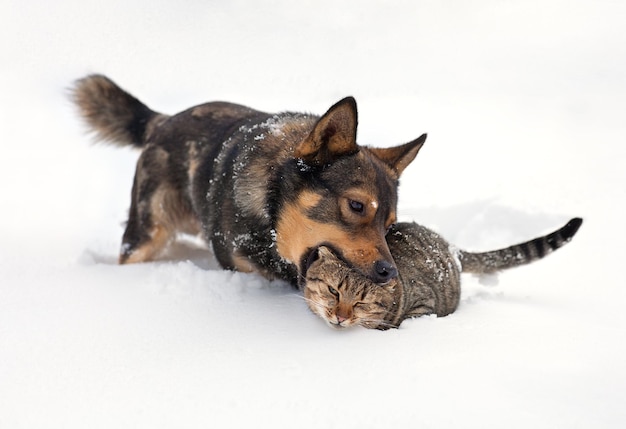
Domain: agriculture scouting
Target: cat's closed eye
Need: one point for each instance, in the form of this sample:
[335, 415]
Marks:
[333, 292]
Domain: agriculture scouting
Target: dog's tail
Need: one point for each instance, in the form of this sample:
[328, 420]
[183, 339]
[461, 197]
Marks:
[518, 254]
[112, 113]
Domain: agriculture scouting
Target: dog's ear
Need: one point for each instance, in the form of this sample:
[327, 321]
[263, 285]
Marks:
[399, 157]
[333, 136]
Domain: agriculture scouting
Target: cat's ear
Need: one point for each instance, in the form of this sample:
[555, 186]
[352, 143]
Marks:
[399, 157]
[325, 252]
[333, 136]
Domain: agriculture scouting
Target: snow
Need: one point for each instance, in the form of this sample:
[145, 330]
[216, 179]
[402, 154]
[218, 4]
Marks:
[524, 104]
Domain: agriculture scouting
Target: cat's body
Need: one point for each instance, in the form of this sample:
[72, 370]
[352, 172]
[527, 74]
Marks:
[429, 280]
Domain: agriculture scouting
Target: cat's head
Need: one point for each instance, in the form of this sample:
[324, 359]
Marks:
[343, 297]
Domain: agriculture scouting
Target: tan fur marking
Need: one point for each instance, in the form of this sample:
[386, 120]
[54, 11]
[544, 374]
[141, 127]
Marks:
[391, 219]
[147, 252]
[369, 202]
[309, 199]
[193, 155]
[169, 211]
[243, 264]
[296, 233]
[169, 215]
[201, 111]
[250, 188]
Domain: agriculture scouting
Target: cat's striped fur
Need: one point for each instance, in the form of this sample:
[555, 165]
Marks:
[428, 282]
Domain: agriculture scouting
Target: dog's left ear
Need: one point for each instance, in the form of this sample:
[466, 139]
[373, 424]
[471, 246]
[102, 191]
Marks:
[399, 157]
[333, 136]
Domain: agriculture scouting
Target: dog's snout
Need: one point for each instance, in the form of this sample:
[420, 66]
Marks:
[384, 271]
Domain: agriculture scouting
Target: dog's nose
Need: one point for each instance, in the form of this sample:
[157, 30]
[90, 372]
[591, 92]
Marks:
[384, 271]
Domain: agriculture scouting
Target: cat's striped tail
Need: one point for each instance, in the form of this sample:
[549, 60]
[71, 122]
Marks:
[518, 254]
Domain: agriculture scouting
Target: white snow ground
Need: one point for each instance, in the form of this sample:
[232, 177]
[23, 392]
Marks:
[525, 106]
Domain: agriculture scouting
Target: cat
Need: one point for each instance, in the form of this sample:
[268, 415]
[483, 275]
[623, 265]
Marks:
[429, 280]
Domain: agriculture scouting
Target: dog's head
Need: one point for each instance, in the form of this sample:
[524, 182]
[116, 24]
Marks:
[346, 198]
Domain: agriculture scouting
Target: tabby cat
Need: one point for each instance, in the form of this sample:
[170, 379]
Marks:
[428, 281]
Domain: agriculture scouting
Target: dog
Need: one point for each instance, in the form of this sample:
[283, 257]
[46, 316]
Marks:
[265, 190]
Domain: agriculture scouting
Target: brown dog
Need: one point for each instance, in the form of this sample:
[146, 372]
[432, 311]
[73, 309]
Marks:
[265, 189]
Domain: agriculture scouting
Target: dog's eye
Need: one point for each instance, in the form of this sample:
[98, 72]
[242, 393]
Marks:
[333, 291]
[389, 228]
[357, 206]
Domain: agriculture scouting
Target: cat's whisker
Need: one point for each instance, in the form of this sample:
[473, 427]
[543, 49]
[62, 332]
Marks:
[314, 302]
[298, 297]
[304, 298]
[377, 322]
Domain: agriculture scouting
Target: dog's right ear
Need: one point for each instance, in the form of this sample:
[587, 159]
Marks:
[399, 157]
[333, 136]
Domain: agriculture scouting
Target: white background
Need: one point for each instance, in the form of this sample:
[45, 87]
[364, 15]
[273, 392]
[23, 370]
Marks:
[525, 106]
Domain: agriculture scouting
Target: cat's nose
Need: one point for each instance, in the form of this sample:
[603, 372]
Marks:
[341, 319]
[384, 271]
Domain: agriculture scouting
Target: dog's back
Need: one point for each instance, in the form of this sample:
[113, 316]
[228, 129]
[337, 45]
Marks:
[118, 117]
